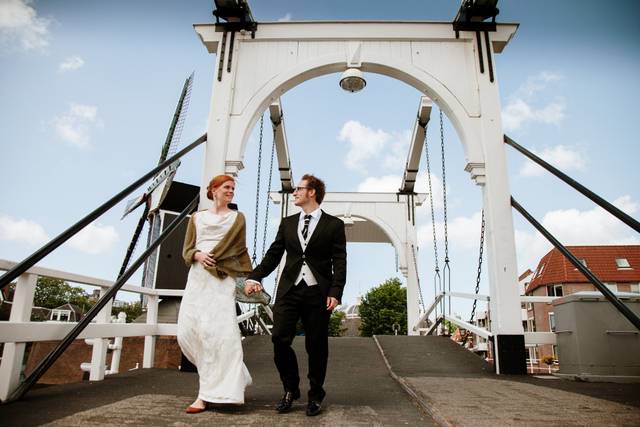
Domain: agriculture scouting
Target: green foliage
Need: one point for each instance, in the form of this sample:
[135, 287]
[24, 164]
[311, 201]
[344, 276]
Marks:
[52, 293]
[133, 310]
[335, 323]
[383, 306]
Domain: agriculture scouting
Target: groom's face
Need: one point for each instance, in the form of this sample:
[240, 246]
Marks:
[301, 194]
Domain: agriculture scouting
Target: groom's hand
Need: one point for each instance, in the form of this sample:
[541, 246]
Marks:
[251, 287]
[331, 303]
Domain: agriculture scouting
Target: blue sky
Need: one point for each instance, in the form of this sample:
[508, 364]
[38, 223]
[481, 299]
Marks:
[88, 88]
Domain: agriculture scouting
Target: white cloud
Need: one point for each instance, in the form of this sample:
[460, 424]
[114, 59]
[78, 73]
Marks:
[75, 125]
[395, 158]
[520, 108]
[94, 239]
[22, 230]
[575, 227]
[365, 143]
[463, 232]
[562, 157]
[285, 18]
[391, 184]
[381, 184]
[19, 22]
[71, 63]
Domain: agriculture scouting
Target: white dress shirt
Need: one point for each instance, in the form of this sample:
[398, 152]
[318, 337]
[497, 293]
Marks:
[305, 271]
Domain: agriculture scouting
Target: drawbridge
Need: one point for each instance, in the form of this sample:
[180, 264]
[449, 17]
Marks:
[379, 381]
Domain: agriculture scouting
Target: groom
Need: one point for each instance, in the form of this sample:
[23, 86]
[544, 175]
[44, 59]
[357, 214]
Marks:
[310, 287]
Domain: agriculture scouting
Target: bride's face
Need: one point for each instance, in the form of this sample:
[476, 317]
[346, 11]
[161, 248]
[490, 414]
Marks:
[225, 192]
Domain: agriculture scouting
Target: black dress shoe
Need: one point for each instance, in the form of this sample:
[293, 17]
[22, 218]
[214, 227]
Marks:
[313, 408]
[287, 401]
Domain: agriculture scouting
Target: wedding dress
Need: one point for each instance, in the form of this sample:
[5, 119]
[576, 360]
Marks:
[208, 332]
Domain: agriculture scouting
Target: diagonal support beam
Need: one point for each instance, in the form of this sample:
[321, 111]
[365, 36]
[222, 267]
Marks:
[282, 149]
[417, 142]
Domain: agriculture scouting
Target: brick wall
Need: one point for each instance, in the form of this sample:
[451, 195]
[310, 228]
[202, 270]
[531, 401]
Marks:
[67, 368]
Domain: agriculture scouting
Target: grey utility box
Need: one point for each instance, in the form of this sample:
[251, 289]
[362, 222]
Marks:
[595, 341]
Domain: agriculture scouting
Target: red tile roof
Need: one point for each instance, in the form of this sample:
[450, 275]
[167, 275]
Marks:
[554, 268]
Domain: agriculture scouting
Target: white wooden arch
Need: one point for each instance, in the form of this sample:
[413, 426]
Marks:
[456, 70]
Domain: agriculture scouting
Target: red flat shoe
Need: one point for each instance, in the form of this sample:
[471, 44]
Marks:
[195, 410]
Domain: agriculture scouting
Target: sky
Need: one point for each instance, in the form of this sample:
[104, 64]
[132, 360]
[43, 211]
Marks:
[88, 90]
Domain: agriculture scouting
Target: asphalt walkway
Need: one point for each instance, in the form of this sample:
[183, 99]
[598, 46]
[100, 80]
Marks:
[458, 388]
[359, 392]
[386, 381]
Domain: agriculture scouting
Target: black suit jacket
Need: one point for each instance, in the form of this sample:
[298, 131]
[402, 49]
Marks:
[326, 255]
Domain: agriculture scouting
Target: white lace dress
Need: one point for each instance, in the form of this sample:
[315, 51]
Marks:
[208, 332]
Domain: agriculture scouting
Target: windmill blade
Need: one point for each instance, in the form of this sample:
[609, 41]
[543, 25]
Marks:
[169, 148]
[133, 204]
[177, 124]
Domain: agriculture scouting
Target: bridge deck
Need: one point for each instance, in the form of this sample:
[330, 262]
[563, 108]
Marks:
[456, 387]
[359, 392]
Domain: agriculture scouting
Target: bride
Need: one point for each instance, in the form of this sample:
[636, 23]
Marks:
[208, 333]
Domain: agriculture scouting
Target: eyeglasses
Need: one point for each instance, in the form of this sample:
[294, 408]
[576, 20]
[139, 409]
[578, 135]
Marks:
[300, 188]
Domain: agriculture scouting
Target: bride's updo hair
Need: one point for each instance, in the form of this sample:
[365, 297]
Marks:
[216, 182]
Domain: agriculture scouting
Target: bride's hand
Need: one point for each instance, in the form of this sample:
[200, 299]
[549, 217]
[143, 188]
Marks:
[205, 259]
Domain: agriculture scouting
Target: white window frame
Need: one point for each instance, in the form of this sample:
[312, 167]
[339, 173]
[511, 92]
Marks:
[554, 287]
[59, 313]
[552, 324]
[613, 287]
[623, 264]
[634, 287]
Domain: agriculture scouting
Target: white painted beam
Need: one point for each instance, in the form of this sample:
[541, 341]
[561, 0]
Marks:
[417, 142]
[282, 148]
[356, 30]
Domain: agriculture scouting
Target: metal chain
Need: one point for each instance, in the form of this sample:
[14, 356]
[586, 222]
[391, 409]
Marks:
[266, 211]
[446, 271]
[255, 222]
[437, 282]
[475, 301]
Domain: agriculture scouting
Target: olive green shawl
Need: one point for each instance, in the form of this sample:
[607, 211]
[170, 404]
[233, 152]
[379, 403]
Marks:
[231, 255]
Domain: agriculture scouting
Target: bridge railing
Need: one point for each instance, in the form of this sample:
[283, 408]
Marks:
[530, 338]
[20, 330]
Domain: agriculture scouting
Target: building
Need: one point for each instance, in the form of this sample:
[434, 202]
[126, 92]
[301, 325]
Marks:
[618, 267]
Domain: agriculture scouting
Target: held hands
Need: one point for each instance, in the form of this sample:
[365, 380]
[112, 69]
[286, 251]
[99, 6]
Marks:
[251, 287]
[331, 303]
[205, 259]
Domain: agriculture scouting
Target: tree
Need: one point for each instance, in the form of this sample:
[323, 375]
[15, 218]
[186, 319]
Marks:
[383, 306]
[52, 293]
[335, 323]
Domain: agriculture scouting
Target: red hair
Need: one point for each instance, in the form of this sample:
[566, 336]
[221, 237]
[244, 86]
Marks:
[216, 182]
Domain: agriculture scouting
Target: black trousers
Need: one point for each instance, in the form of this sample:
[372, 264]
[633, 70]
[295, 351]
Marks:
[308, 304]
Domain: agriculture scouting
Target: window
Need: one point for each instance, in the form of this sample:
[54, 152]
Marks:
[554, 290]
[61, 315]
[634, 287]
[531, 325]
[612, 287]
[552, 322]
[554, 350]
[540, 269]
[623, 263]
[582, 261]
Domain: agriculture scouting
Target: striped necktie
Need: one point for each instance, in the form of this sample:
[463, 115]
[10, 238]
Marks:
[305, 229]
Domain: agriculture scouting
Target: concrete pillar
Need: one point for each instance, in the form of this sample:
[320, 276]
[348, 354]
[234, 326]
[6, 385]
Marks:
[150, 341]
[100, 345]
[413, 289]
[506, 321]
[219, 122]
